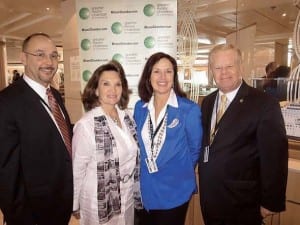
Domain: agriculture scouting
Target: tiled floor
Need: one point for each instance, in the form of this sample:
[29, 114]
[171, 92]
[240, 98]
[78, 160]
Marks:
[73, 221]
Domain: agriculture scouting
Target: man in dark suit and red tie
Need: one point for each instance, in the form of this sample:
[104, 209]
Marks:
[244, 161]
[36, 182]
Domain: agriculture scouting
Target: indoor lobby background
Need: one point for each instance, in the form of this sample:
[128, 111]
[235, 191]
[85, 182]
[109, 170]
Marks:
[271, 23]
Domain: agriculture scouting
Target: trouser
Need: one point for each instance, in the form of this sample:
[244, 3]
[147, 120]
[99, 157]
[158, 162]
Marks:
[27, 217]
[174, 216]
[251, 220]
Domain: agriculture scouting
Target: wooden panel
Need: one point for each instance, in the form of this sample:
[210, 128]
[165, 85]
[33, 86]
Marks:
[189, 220]
[293, 184]
[273, 220]
[295, 154]
[292, 214]
[294, 149]
[194, 216]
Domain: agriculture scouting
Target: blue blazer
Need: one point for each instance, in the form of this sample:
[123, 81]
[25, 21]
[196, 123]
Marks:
[175, 181]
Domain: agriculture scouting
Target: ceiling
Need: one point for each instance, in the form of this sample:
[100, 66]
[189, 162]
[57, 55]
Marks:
[224, 17]
[214, 19]
[19, 18]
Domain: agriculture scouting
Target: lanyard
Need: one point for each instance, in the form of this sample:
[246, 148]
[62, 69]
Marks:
[216, 112]
[154, 133]
[216, 125]
[45, 103]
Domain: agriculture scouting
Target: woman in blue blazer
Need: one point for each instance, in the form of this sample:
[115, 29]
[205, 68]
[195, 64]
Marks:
[170, 135]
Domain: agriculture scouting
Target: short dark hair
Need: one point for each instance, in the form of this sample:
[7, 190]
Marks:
[27, 40]
[89, 97]
[282, 71]
[270, 67]
[145, 88]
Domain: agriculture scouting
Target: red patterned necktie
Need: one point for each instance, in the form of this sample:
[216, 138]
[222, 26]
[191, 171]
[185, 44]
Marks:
[60, 120]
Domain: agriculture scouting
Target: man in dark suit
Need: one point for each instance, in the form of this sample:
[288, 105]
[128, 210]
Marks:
[243, 166]
[36, 182]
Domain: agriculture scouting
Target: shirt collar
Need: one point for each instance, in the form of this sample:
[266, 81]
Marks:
[38, 88]
[230, 95]
[172, 101]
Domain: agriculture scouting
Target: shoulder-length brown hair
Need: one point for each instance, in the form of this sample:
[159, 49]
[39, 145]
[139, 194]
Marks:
[89, 97]
[145, 88]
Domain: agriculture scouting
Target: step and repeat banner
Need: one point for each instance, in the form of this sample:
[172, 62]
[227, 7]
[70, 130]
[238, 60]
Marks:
[128, 31]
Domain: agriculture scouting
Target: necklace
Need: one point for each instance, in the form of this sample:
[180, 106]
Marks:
[115, 120]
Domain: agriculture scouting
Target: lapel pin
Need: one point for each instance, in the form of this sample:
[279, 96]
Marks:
[174, 123]
[241, 100]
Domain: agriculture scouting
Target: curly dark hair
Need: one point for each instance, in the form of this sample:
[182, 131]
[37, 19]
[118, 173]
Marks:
[145, 88]
[89, 97]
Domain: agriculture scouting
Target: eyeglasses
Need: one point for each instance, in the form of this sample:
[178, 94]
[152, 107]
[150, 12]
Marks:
[43, 55]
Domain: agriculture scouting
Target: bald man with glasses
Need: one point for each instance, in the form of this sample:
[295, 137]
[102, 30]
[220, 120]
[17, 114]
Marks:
[36, 181]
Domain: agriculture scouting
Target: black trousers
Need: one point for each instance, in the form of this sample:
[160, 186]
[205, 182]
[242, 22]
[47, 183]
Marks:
[26, 216]
[233, 223]
[174, 216]
[237, 221]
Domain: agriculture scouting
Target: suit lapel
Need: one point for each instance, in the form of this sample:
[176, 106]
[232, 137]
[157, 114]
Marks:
[35, 104]
[207, 114]
[34, 101]
[210, 106]
[233, 110]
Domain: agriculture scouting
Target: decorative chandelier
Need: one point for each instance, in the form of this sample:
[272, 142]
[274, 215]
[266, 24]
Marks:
[187, 38]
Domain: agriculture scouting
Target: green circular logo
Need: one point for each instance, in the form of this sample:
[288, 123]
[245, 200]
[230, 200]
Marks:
[86, 75]
[84, 13]
[149, 10]
[149, 42]
[85, 44]
[118, 57]
[116, 28]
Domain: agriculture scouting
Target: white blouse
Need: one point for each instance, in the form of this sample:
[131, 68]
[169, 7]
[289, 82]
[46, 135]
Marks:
[85, 168]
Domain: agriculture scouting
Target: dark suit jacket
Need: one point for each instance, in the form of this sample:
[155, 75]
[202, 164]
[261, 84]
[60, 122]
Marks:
[247, 165]
[35, 167]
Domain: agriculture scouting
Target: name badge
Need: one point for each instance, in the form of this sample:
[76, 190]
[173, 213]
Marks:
[206, 154]
[151, 164]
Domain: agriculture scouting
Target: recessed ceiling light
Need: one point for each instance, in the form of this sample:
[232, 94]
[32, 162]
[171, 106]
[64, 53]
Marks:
[48, 9]
[283, 14]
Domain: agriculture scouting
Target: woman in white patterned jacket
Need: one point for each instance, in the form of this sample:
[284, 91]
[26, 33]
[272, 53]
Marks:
[105, 152]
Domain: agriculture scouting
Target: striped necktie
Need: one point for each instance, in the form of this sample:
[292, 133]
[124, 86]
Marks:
[222, 108]
[221, 111]
[60, 120]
